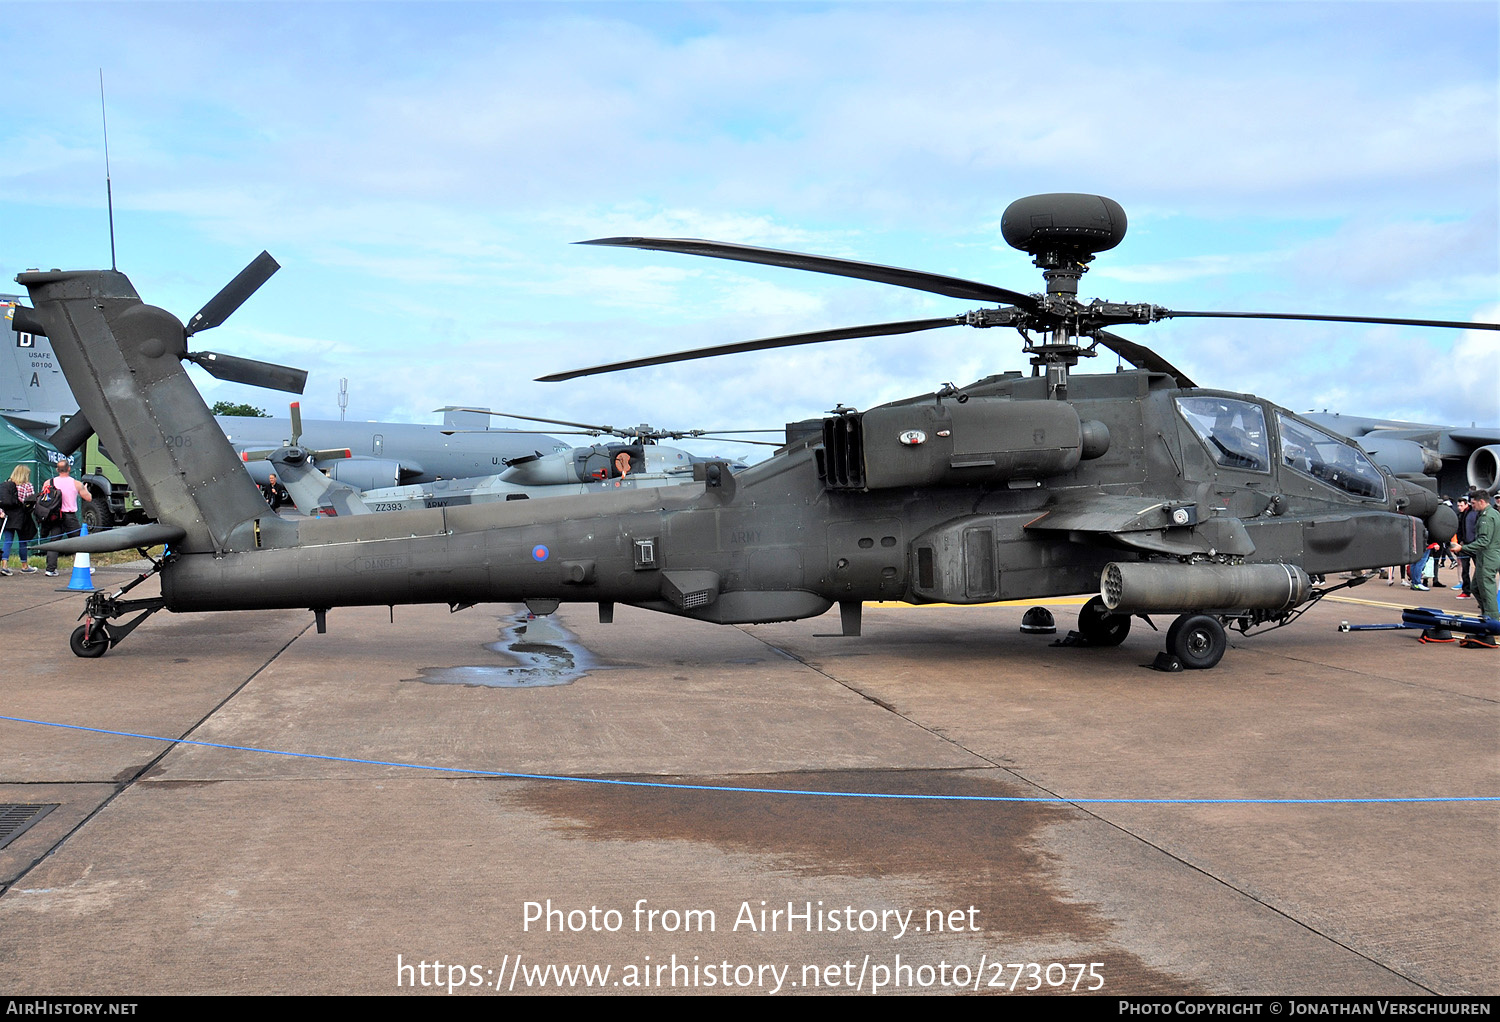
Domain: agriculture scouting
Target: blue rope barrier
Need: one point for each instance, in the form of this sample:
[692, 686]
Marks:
[1054, 799]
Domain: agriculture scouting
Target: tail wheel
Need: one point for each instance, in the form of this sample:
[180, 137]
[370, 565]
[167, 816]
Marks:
[90, 640]
[1100, 626]
[1198, 640]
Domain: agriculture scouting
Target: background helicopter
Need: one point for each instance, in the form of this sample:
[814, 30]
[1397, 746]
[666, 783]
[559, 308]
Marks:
[1218, 506]
[566, 472]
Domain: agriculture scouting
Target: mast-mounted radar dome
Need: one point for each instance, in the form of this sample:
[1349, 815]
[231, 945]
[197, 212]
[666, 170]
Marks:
[1063, 231]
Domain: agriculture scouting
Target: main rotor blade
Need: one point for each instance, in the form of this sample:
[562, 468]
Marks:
[787, 341]
[1447, 323]
[248, 371]
[245, 284]
[1143, 357]
[733, 440]
[681, 434]
[936, 283]
[560, 422]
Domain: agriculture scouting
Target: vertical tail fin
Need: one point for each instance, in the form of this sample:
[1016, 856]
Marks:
[122, 360]
[32, 389]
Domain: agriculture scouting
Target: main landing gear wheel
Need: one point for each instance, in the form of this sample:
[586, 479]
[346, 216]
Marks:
[1198, 640]
[1101, 626]
[89, 641]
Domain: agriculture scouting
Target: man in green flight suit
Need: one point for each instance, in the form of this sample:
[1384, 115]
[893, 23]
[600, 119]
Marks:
[1486, 552]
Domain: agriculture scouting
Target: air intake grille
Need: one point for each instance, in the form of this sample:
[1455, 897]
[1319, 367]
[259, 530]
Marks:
[844, 453]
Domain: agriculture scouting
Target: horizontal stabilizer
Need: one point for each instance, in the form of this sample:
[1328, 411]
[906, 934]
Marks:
[128, 537]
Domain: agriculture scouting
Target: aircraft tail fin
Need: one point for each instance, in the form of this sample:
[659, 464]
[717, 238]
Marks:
[295, 469]
[122, 359]
[33, 392]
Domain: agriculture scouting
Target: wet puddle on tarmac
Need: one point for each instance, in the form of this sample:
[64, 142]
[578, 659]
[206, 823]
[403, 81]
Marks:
[548, 654]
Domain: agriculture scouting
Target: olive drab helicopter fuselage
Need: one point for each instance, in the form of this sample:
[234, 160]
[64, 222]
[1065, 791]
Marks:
[1161, 497]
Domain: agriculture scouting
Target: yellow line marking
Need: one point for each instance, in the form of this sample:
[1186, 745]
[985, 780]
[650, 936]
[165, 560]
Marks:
[1377, 603]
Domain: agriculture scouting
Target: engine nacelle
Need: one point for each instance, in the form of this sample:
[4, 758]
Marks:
[1442, 524]
[1142, 587]
[545, 470]
[1484, 468]
[1402, 457]
[365, 473]
[979, 442]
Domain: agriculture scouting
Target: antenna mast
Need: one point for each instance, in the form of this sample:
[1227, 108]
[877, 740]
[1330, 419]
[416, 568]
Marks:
[109, 193]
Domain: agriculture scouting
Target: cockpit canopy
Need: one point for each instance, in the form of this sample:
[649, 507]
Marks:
[1235, 434]
[1339, 463]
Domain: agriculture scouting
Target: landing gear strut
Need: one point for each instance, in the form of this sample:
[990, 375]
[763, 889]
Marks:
[95, 637]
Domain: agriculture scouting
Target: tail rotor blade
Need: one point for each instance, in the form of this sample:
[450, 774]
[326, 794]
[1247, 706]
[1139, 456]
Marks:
[223, 304]
[72, 434]
[296, 422]
[233, 369]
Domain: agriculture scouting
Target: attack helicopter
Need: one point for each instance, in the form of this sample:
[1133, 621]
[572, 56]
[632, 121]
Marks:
[1220, 507]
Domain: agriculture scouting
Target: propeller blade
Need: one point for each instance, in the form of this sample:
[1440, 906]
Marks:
[787, 341]
[234, 369]
[296, 422]
[1448, 323]
[1143, 357]
[223, 304]
[936, 283]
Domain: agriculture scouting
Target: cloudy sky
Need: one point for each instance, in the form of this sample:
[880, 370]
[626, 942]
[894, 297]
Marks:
[420, 170]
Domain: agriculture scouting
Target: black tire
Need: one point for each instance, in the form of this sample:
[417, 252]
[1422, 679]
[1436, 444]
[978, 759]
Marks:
[94, 513]
[1198, 640]
[1101, 626]
[96, 644]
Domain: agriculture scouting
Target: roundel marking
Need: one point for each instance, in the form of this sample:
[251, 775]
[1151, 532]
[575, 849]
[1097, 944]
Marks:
[539, 552]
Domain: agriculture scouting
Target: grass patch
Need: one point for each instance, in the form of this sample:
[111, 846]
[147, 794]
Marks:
[65, 561]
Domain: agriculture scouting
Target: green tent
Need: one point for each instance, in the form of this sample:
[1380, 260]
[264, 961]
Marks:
[20, 448]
